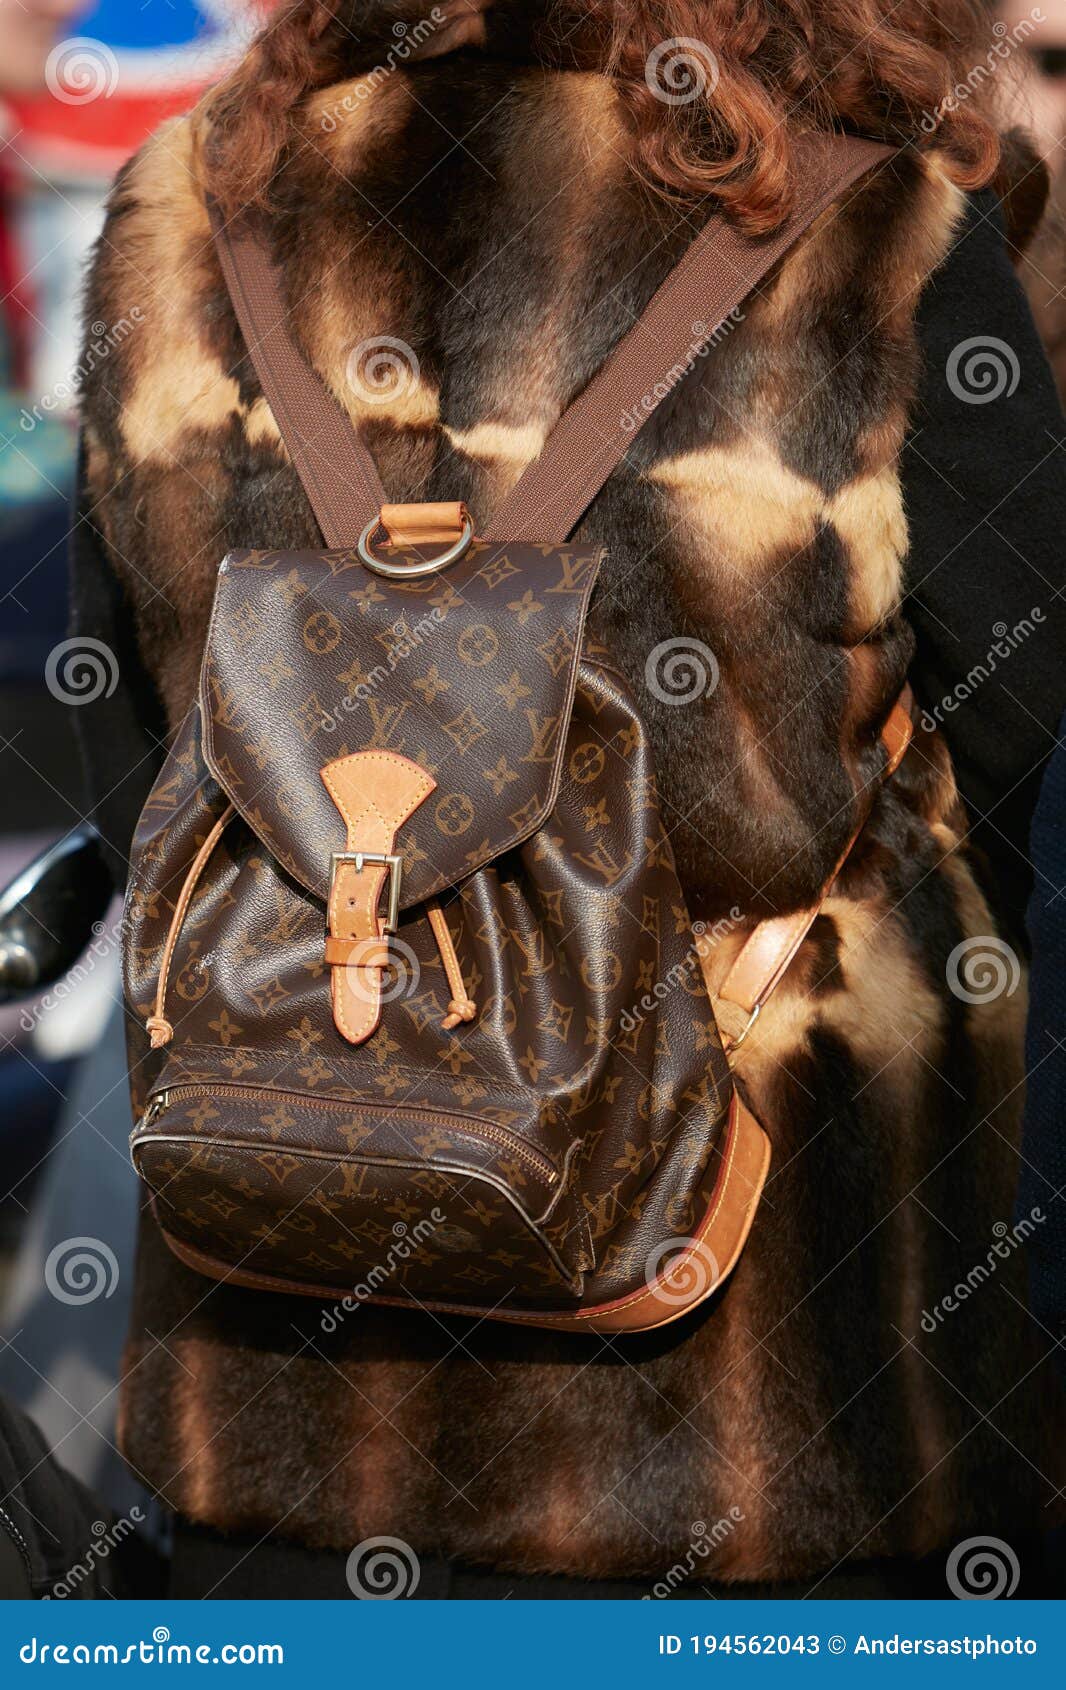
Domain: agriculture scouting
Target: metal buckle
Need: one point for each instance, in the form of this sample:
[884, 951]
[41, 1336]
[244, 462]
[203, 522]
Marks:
[411, 571]
[389, 860]
[736, 1043]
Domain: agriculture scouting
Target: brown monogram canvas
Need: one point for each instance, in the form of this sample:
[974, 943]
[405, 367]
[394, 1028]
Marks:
[575, 1150]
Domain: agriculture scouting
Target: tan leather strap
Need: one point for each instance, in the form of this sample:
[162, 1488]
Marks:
[766, 954]
[360, 953]
[719, 271]
[375, 792]
[423, 525]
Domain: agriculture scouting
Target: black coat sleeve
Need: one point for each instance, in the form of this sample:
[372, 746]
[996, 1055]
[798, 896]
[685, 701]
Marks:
[984, 481]
[121, 733]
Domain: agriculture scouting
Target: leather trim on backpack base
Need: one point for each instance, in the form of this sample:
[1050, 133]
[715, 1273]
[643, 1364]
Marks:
[689, 1279]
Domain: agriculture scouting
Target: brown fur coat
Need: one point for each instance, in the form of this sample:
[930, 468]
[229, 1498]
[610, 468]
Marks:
[760, 512]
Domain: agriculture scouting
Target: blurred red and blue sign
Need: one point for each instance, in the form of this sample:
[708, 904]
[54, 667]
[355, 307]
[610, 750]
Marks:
[121, 68]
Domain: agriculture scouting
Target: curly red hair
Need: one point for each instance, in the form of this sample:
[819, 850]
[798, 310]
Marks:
[716, 90]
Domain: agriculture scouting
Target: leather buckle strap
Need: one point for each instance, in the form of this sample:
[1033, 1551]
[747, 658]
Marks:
[768, 951]
[375, 792]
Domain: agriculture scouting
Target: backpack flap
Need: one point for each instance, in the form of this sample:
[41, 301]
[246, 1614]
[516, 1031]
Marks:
[469, 675]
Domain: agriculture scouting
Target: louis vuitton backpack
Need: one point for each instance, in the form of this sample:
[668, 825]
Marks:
[427, 1014]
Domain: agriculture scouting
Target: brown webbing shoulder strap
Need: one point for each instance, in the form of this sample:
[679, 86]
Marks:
[717, 273]
[331, 458]
[719, 270]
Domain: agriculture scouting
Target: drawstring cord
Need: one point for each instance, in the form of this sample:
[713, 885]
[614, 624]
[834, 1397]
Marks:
[461, 1006]
[157, 1026]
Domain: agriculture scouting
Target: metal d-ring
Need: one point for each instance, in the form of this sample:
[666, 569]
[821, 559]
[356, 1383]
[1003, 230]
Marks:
[412, 571]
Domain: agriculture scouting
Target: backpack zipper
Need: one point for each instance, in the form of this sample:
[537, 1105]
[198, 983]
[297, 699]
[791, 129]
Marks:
[497, 1135]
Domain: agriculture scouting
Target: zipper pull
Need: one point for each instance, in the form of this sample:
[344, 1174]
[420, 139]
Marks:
[159, 1102]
